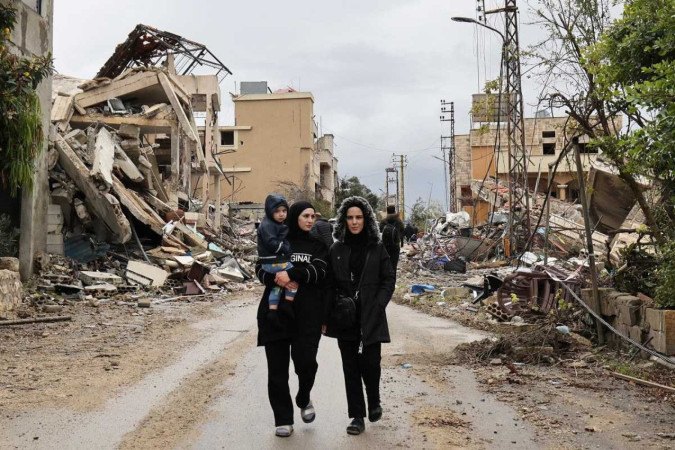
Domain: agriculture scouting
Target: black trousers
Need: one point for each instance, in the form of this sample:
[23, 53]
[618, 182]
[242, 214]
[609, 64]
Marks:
[303, 351]
[366, 367]
[394, 254]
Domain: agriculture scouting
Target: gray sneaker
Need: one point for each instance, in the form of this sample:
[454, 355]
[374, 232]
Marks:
[307, 413]
[284, 430]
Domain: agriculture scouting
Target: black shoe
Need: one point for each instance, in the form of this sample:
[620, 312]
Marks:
[308, 413]
[375, 414]
[357, 426]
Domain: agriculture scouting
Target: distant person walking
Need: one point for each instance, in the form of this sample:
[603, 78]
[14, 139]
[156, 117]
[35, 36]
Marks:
[322, 230]
[363, 282]
[392, 235]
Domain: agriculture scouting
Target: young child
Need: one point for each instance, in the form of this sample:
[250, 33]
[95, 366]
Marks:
[274, 251]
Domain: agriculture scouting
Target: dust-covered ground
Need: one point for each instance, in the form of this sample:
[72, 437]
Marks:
[435, 396]
[78, 363]
[562, 386]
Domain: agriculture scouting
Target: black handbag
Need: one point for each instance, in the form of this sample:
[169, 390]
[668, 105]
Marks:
[344, 312]
[343, 315]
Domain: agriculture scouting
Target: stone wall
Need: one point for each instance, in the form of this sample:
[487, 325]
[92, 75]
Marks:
[32, 35]
[637, 318]
[11, 292]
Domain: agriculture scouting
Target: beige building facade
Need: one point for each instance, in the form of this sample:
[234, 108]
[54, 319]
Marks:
[545, 138]
[274, 147]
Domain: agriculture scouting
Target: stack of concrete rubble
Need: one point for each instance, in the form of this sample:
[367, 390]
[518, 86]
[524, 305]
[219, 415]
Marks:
[125, 162]
[11, 289]
[108, 189]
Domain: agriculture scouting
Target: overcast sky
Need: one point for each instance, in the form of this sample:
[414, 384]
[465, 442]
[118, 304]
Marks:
[377, 68]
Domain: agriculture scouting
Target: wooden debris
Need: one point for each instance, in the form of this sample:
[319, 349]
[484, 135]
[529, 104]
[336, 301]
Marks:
[6, 323]
[642, 382]
[98, 202]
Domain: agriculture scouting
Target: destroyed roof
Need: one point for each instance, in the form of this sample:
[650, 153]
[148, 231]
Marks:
[147, 46]
[65, 85]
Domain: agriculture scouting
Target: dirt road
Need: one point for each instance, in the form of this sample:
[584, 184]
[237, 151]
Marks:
[192, 377]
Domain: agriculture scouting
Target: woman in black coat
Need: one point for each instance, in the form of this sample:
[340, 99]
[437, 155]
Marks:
[360, 269]
[294, 335]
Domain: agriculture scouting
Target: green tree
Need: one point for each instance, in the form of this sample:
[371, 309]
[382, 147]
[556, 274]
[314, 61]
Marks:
[633, 66]
[21, 134]
[421, 213]
[348, 187]
[600, 70]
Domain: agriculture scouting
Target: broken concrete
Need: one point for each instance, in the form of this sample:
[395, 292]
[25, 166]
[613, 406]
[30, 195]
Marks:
[101, 204]
[145, 274]
[104, 155]
[90, 278]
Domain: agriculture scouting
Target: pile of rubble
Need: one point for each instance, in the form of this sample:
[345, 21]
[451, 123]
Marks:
[130, 177]
[470, 250]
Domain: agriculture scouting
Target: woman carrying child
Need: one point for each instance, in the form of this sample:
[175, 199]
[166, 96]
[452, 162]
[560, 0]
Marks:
[294, 337]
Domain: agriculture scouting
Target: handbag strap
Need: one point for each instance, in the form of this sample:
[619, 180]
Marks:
[358, 288]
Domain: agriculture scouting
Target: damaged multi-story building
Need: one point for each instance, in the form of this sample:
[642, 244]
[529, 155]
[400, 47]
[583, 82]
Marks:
[127, 141]
[483, 153]
[274, 146]
[139, 145]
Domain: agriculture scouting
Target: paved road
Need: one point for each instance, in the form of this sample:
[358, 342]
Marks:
[225, 375]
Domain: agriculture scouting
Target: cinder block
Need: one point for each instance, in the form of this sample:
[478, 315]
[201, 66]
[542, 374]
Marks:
[55, 249]
[626, 299]
[607, 306]
[54, 228]
[663, 343]
[654, 318]
[622, 328]
[11, 291]
[55, 239]
[629, 314]
[636, 334]
[613, 295]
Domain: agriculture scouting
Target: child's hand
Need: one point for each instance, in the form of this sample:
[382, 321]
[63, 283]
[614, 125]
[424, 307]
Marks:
[281, 278]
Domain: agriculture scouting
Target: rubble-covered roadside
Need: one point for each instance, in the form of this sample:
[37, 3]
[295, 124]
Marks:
[81, 362]
[547, 366]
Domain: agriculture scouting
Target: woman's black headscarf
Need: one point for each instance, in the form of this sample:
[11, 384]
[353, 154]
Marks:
[293, 214]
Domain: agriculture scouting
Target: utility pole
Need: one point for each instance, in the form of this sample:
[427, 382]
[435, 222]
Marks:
[391, 187]
[519, 198]
[403, 162]
[480, 8]
[448, 143]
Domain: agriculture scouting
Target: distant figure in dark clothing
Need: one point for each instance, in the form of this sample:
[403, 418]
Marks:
[322, 230]
[409, 231]
[392, 235]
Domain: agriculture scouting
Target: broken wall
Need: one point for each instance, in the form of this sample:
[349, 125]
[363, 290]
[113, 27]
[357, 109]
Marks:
[32, 35]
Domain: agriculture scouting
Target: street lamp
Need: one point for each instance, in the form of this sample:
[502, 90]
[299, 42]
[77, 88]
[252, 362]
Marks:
[474, 21]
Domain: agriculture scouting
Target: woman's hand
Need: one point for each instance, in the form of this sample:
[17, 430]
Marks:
[293, 285]
[281, 278]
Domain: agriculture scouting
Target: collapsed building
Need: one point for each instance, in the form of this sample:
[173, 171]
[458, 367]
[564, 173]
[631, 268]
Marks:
[129, 169]
[564, 252]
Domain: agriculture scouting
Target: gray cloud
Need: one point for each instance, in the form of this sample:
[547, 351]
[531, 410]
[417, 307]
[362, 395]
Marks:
[377, 68]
